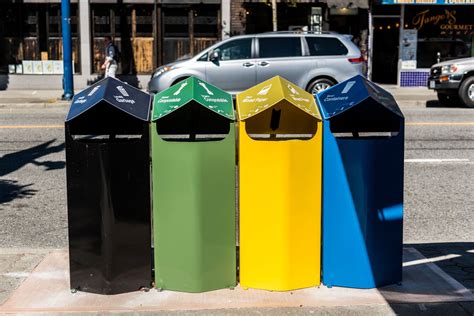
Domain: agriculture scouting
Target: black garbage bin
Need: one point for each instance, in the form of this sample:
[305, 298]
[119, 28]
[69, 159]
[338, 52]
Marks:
[108, 188]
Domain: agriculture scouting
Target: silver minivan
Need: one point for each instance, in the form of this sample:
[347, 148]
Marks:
[312, 61]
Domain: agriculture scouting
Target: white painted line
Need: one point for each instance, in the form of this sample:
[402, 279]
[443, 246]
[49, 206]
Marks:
[16, 274]
[427, 260]
[434, 160]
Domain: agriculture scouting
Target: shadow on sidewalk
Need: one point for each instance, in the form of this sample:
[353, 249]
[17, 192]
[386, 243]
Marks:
[438, 294]
[437, 104]
[4, 80]
[454, 258]
[14, 161]
[11, 189]
[441, 294]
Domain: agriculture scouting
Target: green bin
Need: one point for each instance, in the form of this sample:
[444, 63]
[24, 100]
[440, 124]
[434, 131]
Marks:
[193, 167]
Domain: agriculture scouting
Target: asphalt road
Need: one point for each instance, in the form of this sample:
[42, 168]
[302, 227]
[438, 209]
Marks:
[439, 194]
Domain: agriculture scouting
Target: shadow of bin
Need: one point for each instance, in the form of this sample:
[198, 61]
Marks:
[363, 185]
[193, 163]
[108, 188]
[280, 144]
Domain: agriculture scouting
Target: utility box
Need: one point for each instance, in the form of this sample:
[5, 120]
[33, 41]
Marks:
[280, 156]
[363, 185]
[193, 163]
[108, 188]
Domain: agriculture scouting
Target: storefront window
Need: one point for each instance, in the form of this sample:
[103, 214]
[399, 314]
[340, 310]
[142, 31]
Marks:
[205, 21]
[189, 29]
[31, 39]
[176, 22]
[144, 22]
[101, 18]
[131, 27]
[442, 32]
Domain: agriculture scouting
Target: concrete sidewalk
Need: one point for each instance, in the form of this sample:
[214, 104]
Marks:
[425, 289]
[34, 98]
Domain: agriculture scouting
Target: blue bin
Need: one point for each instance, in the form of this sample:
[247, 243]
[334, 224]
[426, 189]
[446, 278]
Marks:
[363, 139]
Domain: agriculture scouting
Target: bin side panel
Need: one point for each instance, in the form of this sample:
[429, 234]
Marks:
[345, 255]
[386, 237]
[109, 215]
[194, 213]
[280, 212]
[361, 180]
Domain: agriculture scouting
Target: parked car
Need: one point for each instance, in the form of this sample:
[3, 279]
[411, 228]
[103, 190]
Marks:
[453, 80]
[312, 61]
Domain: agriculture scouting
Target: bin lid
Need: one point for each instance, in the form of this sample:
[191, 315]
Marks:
[271, 92]
[353, 92]
[116, 93]
[195, 89]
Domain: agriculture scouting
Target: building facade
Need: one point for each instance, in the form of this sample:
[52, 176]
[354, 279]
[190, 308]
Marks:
[148, 33]
[408, 36]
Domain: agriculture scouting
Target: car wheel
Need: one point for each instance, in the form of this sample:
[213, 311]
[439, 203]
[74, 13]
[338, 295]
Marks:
[466, 92]
[319, 85]
[447, 99]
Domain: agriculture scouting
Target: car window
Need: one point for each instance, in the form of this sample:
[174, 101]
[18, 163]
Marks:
[238, 49]
[325, 46]
[279, 47]
[204, 57]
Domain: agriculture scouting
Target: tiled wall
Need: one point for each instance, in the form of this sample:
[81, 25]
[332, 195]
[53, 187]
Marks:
[414, 78]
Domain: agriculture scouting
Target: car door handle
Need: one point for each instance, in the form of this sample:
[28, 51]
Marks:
[263, 63]
[248, 64]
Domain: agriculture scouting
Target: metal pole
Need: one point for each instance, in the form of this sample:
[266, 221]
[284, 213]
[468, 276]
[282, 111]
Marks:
[68, 83]
[274, 16]
[370, 45]
[400, 41]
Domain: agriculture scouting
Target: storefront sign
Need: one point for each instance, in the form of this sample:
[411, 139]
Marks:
[446, 20]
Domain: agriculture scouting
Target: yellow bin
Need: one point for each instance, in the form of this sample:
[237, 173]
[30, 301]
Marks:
[280, 152]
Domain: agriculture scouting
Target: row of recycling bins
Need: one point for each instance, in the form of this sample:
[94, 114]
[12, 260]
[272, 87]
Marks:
[318, 187]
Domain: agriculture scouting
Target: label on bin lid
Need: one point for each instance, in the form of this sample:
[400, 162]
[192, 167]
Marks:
[193, 89]
[86, 99]
[271, 92]
[351, 93]
[116, 93]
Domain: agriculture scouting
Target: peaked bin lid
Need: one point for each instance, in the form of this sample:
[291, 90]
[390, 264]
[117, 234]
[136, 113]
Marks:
[115, 92]
[352, 92]
[195, 89]
[269, 93]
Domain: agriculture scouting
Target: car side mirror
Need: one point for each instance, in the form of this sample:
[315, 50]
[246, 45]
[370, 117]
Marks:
[215, 56]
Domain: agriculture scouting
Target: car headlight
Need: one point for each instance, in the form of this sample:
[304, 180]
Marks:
[161, 71]
[448, 69]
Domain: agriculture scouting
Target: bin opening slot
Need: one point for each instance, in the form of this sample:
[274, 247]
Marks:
[275, 120]
[105, 137]
[366, 121]
[193, 123]
[283, 121]
[365, 135]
